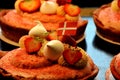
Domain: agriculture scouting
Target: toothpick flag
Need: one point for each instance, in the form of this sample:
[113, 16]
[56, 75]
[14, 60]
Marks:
[67, 28]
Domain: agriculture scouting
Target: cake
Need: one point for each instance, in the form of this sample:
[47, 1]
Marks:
[46, 69]
[17, 22]
[107, 21]
[40, 59]
[115, 67]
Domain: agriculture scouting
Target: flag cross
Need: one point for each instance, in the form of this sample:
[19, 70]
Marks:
[67, 28]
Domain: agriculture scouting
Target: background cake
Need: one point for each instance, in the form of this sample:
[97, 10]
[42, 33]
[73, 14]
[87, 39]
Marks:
[107, 21]
[39, 59]
[16, 23]
[115, 67]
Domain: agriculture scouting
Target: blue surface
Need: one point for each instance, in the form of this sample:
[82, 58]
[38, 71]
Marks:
[100, 51]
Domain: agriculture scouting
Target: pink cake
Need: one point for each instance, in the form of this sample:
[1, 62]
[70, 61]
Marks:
[115, 66]
[107, 22]
[16, 23]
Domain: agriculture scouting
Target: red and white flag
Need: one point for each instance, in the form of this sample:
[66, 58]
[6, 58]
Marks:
[67, 28]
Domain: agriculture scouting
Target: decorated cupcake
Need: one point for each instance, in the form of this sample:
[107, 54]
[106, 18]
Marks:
[60, 18]
[107, 20]
[40, 59]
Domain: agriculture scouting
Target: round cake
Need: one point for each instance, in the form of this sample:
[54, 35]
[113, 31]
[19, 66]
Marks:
[115, 66]
[54, 15]
[40, 59]
[29, 67]
[107, 21]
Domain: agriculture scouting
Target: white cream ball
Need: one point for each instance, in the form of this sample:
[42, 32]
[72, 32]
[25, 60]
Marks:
[38, 31]
[53, 50]
[48, 7]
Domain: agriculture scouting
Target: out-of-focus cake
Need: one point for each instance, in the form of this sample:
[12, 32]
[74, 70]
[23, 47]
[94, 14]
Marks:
[40, 59]
[55, 16]
[107, 21]
[115, 66]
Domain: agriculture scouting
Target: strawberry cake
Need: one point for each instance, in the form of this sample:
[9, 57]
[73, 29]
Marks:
[40, 59]
[60, 18]
[107, 21]
[115, 66]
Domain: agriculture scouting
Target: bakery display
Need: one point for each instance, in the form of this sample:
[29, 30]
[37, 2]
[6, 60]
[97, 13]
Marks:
[107, 22]
[56, 16]
[115, 67]
[40, 59]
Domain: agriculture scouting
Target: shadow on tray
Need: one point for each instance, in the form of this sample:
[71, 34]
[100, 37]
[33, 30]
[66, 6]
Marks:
[106, 46]
[82, 44]
[6, 47]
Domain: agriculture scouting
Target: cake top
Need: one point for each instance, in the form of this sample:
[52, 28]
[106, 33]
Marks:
[49, 7]
[35, 43]
[109, 15]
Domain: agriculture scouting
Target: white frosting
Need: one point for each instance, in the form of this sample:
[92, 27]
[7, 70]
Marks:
[38, 31]
[48, 7]
[53, 49]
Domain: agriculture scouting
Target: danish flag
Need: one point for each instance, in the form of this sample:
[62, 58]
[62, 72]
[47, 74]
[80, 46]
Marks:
[67, 28]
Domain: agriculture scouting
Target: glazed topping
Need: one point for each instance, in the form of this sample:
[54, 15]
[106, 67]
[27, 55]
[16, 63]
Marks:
[38, 31]
[35, 38]
[117, 63]
[27, 5]
[48, 7]
[72, 10]
[30, 43]
[53, 50]
[115, 5]
[74, 57]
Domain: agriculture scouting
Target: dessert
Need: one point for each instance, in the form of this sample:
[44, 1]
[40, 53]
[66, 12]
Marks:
[115, 67]
[107, 21]
[52, 14]
[46, 62]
